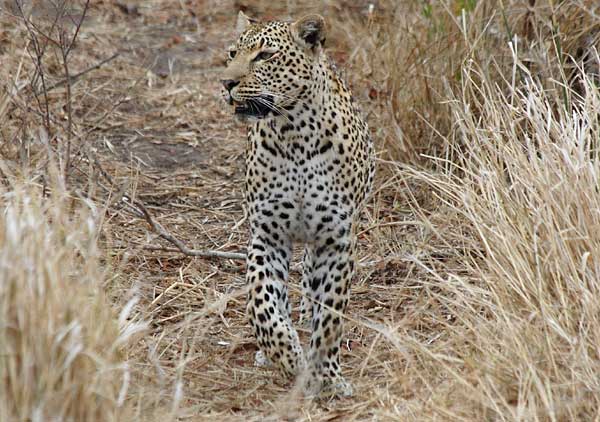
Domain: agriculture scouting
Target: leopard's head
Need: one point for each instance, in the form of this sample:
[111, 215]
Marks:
[272, 64]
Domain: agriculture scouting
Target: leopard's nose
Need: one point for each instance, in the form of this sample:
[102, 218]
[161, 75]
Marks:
[229, 84]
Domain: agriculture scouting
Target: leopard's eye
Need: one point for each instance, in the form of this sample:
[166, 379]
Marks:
[263, 55]
[232, 54]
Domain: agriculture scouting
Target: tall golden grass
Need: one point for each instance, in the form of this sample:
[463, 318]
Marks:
[525, 183]
[62, 347]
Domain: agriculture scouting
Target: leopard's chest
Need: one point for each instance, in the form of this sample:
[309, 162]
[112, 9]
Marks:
[296, 183]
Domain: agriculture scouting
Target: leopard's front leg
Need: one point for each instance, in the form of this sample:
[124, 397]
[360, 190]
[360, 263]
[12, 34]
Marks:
[268, 308]
[333, 268]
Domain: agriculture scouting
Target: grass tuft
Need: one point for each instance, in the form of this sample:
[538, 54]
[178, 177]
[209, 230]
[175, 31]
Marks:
[62, 350]
[525, 182]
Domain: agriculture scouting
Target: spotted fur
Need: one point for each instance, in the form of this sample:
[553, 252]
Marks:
[309, 170]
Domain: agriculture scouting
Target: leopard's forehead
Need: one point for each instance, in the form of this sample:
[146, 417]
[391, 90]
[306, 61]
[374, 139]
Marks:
[264, 34]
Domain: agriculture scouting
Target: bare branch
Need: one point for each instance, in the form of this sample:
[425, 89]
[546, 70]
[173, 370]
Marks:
[77, 28]
[159, 230]
[65, 53]
[76, 76]
[142, 212]
[194, 252]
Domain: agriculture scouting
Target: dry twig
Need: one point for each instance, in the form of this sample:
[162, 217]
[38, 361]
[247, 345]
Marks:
[159, 230]
[142, 212]
[76, 76]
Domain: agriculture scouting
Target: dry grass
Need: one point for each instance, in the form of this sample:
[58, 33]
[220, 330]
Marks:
[62, 350]
[477, 295]
[525, 183]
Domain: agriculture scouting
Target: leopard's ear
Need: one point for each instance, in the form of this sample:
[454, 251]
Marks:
[309, 31]
[243, 22]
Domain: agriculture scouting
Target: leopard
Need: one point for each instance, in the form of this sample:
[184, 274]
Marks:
[309, 172]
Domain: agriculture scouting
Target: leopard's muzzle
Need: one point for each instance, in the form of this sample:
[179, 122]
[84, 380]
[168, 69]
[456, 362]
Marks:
[258, 107]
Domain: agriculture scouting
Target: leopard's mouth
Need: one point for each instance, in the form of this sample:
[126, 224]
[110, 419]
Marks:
[258, 107]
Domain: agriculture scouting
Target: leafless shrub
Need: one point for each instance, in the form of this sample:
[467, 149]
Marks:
[51, 29]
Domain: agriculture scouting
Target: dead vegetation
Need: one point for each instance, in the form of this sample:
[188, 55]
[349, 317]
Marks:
[62, 343]
[477, 297]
